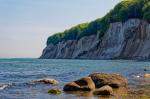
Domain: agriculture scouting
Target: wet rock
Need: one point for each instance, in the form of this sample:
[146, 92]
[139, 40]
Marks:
[72, 86]
[113, 80]
[146, 75]
[146, 69]
[83, 84]
[46, 81]
[105, 90]
[122, 91]
[55, 91]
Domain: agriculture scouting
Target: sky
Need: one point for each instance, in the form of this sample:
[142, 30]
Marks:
[25, 25]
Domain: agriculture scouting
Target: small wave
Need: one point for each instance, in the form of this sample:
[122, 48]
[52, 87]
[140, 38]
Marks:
[3, 86]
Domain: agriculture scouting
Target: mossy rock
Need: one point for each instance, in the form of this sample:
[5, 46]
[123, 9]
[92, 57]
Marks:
[55, 91]
[46, 81]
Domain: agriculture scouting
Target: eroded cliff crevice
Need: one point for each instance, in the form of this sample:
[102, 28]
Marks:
[130, 39]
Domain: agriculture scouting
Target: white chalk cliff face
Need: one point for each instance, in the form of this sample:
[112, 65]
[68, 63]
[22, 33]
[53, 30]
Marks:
[127, 40]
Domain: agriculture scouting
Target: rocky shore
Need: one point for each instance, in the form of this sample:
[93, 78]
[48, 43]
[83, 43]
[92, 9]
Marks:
[98, 83]
[104, 85]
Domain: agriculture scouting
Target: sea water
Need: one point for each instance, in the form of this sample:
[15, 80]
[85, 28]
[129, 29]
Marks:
[16, 75]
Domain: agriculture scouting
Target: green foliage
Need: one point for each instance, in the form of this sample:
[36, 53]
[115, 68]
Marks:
[125, 10]
[146, 10]
[147, 16]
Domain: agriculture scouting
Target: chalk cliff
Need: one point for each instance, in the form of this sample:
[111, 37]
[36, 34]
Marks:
[127, 40]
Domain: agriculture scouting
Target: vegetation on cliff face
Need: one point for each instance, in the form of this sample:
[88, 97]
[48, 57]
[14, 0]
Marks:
[125, 10]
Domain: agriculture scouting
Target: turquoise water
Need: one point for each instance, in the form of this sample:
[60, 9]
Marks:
[16, 75]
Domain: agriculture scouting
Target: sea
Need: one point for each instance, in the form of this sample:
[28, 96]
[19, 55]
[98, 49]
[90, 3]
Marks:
[16, 75]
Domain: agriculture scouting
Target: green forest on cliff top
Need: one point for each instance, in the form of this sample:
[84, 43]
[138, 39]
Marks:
[122, 12]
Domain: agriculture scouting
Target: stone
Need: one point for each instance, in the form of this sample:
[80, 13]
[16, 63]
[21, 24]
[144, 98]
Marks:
[83, 84]
[72, 86]
[146, 75]
[55, 91]
[46, 81]
[105, 90]
[146, 69]
[113, 80]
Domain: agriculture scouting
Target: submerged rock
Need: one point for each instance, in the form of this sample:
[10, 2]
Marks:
[146, 69]
[113, 80]
[146, 75]
[83, 84]
[105, 90]
[55, 91]
[46, 81]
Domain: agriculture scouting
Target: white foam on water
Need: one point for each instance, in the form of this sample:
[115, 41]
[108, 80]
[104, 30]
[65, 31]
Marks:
[138, 76]
[3, 86]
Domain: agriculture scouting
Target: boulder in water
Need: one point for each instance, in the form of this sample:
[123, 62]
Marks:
[146, 69]
[46, 81]
[146, 75]
[105, 90]
[83, 84]
[55, 91]
[113, 80]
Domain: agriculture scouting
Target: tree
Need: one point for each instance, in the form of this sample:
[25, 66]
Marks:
[123, 11]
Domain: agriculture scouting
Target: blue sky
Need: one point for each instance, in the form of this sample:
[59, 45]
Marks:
[26, 24]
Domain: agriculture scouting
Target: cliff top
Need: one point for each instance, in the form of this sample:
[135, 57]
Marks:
[123, 11]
